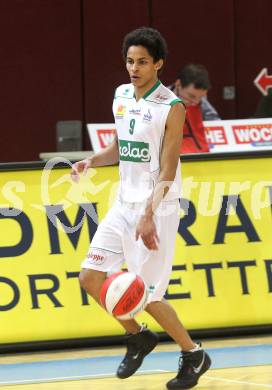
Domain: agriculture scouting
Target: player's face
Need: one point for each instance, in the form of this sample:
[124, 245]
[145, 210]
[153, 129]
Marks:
[190, 94]
[142, 69]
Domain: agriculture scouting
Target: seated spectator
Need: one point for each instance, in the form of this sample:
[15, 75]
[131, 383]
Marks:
[191, 86]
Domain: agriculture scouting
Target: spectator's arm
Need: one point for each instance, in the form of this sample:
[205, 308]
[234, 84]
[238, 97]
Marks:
[209, 113]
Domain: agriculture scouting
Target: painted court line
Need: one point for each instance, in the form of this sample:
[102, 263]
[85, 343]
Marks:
[105, 366]
[76, 377]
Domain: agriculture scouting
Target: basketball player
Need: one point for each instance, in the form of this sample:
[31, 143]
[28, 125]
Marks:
[142, 225]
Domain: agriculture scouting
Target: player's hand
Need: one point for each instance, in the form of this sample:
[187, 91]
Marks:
[146, 229]
[80, 167]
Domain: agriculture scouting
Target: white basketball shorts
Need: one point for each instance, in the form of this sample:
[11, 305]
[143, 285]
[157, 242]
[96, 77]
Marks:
[114, 244]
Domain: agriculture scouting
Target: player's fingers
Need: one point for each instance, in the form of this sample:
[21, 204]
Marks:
[85, 167]
[155, 240]
[150, 243]
[152, 237]
[75, 178]
[154, 246]
[75, 167]
[145, 240]
[147, 244]
[74, 173]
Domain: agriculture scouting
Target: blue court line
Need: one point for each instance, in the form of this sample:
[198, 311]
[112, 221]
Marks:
[81, 368]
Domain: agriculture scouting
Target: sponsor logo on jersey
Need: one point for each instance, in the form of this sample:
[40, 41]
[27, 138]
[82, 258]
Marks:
[147, 117]
[135, 112]
[96, 258]
[120, 112]
[161, 97]
[134, 151]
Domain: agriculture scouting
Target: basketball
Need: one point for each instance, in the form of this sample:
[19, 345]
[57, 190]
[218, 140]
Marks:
[124, 295]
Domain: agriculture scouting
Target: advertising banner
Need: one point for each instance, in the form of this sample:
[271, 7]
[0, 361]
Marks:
[222, 136]
[239, 135]
[222, 270]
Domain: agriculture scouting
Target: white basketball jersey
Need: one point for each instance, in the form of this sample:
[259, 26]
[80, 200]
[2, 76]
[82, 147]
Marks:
[140, 129]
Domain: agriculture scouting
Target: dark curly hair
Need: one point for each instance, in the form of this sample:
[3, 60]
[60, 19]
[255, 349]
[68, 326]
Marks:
[149, 38]
[195, 74]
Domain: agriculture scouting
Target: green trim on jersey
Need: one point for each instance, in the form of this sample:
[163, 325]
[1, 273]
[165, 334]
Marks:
[158, 83]
[175, 101]
[123, 97]
[164, 104]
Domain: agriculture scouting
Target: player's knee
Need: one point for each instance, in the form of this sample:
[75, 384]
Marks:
[83, 279]
[91, 280]
[151, 305]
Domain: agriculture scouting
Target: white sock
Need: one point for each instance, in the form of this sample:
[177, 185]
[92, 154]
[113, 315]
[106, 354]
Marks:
[197, 348]
[143, 327]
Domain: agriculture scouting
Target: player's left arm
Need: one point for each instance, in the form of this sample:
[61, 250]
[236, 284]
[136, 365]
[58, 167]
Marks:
[170, 155]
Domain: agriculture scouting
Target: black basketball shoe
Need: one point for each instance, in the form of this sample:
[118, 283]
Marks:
[138, 346]
[191, 366]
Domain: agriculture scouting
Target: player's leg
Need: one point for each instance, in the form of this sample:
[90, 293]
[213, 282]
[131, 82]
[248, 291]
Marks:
[138, 346]
[194, 360]
[105, 256]
[155, 267]
[144, 341]
[167, 317]
[139, 340]
[91, 281]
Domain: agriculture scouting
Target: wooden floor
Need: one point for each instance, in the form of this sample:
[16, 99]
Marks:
[236, 377]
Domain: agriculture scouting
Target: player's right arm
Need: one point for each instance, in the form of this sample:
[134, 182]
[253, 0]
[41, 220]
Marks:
[106, 156]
